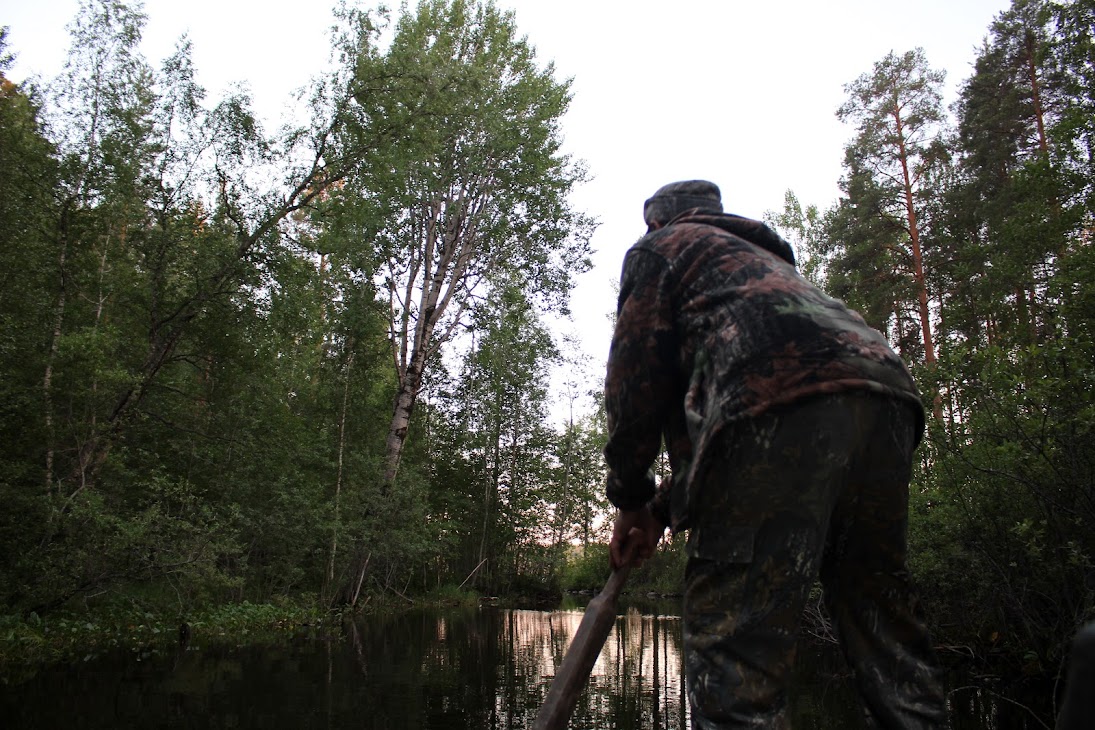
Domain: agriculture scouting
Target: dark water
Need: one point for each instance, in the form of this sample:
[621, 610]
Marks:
[426, 669]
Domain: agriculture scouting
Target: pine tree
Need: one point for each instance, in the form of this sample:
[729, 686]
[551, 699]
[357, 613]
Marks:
[897, 112]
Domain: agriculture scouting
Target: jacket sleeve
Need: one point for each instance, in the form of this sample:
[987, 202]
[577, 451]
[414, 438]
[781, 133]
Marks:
[640, 382]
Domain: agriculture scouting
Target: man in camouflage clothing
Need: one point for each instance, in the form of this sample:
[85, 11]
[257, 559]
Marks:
[790, 426]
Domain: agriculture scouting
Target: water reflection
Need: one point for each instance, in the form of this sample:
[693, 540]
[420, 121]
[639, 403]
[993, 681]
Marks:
[637, 680]
[492, 668]
[421, 670]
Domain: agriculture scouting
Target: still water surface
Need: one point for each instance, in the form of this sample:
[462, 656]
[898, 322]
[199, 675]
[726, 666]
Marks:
[426, 669]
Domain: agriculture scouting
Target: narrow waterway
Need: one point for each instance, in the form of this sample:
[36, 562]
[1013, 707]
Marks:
[435, 669]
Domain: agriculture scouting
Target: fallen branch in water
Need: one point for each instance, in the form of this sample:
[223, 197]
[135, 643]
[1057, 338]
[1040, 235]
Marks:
[472, 572]
[393, 590]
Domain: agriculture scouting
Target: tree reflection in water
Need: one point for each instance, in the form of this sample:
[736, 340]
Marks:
[424, 669]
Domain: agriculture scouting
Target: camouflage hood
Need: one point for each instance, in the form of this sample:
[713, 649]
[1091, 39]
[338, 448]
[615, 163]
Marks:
[752, 231]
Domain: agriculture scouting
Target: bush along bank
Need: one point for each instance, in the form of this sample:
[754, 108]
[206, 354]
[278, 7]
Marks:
[28, 643]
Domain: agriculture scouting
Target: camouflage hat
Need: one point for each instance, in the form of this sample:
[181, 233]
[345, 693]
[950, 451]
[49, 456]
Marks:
[675, 198]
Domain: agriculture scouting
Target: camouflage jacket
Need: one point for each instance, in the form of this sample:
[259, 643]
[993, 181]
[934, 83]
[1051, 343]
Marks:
[714, 324]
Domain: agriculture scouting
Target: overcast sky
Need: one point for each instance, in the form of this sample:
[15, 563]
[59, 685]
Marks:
[740, 93]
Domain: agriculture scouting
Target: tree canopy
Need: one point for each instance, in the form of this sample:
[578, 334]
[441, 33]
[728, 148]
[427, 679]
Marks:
[207, 325]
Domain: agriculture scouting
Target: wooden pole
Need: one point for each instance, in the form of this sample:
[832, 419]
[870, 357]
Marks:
[573, 673]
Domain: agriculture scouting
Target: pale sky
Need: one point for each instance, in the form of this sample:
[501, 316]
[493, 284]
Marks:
[740, 93]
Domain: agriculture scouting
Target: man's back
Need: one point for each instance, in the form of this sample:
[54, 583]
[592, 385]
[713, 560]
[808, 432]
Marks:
[716, 301]
[763, 333]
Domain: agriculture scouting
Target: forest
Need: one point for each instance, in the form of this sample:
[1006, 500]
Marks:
[310, 366]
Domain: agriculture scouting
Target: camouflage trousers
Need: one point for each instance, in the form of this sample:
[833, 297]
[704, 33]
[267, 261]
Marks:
[819, 489]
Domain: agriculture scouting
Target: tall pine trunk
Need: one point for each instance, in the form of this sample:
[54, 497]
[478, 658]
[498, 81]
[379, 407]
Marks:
[914, 239]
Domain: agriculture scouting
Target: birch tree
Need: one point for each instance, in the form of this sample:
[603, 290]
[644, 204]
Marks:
[476, 182]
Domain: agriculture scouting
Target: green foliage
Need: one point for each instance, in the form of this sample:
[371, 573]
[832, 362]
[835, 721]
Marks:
[1005, 487]
[28, 263]
[804, 230]
[876, 237]
[28, 643]
[455, 207]
[183, 446]
[1001, 514]
[450, 595]
[1008, 498]
[664, 572]
[586, 569]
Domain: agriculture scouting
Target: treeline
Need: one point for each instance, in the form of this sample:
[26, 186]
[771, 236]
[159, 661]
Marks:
[968, 239]
[310, 363]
